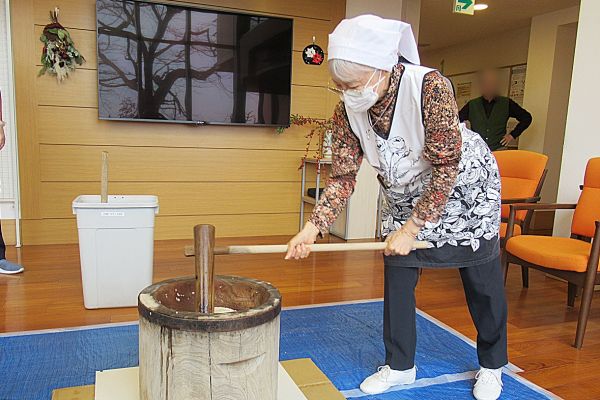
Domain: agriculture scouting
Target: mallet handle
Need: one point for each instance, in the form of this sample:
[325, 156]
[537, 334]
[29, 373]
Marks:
[204, 243]
[282, 248]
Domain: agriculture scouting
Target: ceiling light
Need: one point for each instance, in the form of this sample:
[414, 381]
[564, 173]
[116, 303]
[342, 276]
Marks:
[480, 6]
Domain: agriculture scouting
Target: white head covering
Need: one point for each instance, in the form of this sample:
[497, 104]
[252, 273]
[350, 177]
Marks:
[373, 41]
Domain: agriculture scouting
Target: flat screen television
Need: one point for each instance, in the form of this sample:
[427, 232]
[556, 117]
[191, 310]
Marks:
[172, 63]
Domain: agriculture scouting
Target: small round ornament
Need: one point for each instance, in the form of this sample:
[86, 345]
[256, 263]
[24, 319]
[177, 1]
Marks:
[313, 54]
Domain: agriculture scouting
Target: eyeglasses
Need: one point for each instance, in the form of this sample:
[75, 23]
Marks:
[335, 90]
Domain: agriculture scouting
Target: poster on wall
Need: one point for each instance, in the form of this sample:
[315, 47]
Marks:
[516, 90]
[463, 93]
[517, 83]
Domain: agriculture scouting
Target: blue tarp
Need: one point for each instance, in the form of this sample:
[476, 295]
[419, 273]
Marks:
[345, 341]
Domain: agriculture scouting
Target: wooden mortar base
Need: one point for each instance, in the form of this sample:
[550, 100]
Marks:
[185, 354]
[172, 304]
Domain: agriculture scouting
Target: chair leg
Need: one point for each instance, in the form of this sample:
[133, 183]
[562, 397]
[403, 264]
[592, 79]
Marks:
[525, 276]
[588, 287]
[571, 294]
[584, 310]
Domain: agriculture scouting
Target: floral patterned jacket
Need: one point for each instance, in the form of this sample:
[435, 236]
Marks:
[442, 149]
[459, 198]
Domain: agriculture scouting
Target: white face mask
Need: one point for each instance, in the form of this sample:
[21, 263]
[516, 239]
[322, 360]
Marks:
[360, 100]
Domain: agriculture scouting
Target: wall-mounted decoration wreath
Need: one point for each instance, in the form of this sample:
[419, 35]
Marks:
[59, 55]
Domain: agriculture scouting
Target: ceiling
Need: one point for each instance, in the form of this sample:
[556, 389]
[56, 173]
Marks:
[440, 27]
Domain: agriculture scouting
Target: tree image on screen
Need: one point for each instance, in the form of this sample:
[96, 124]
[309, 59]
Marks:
[159, 62]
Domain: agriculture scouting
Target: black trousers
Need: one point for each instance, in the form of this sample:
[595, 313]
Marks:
[484, 291]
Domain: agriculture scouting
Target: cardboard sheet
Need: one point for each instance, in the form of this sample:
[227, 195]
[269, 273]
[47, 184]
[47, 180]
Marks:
[74, 393]
[287, 388]
[311, 380]
[124, 384]
[118, 384]
[298, 380]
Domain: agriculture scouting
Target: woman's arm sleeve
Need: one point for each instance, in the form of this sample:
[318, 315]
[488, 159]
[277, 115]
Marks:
[442, 148]
[347, 157]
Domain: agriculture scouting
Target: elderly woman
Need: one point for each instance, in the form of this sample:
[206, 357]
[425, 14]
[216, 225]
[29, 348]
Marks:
[440, 184]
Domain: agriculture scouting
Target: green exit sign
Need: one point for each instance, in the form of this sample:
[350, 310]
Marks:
[464, 7]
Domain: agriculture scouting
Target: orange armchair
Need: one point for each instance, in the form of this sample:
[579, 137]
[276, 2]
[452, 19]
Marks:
[522, 174]
[573, 259]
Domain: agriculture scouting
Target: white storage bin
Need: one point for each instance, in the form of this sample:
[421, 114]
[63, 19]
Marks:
[116, 247]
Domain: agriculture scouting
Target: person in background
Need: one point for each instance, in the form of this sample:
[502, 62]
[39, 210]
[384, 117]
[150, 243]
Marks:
[489, 113]
[6, 267]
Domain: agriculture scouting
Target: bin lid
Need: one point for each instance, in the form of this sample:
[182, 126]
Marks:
[116, 201]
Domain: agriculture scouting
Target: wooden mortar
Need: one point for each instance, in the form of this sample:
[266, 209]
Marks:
[187, 355]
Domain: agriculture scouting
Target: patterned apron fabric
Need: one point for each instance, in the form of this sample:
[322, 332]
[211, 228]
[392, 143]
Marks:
[471, 219]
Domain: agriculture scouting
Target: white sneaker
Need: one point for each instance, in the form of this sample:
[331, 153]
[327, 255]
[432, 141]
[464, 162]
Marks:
[385, 378]
[488, 385]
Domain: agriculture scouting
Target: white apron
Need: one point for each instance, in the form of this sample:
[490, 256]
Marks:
[473, 209]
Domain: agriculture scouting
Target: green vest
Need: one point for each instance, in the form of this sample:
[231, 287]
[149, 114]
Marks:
[491, 129]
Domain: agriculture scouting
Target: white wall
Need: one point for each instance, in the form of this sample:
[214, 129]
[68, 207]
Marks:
[508, 48]
[411, 13]
[404, 10]
[547, 46]
[540, 65]
[558, 104]
[582, 140]
[384, 8]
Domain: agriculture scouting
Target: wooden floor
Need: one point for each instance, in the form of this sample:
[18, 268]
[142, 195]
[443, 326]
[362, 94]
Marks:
[541, 327]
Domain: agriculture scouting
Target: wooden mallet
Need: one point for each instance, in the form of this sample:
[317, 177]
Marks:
[204, 244]
[314, 248]
[204, 250]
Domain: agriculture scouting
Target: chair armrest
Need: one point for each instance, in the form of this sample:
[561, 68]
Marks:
[543, 207]
[534, 199]
[536, 207]
[596, 237]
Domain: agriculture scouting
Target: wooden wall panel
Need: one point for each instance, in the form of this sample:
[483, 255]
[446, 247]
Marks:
[85, 39]
[80, 90]
[8, 232]
[73, 13]
[183, 198]
[64, 230]
[82, 13]
[311, 101]
[228, 225]
[25, 72]
[302, 74]
[70, 125]
[243, 179]
[164, 164]
[309, 75]
[305, 29]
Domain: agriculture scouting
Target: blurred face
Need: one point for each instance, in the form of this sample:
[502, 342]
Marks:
[488, 83]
